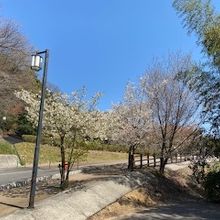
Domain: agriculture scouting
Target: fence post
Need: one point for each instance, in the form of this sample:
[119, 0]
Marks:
[141, 161]
[155, 163]
[148, 159]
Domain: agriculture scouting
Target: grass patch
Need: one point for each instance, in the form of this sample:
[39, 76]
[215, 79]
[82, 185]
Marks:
[6, 148]
[105, 156]
[49, 154]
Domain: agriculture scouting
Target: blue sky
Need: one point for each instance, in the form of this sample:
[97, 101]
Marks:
[100, 44]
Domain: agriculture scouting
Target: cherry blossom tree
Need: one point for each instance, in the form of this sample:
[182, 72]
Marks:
[174, 109]
[129, 122]
[159, 111]
[68, 118]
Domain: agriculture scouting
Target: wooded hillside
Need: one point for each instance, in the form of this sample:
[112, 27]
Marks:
[15, 72]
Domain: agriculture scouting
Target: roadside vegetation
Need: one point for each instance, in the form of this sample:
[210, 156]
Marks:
[212, 182]
[50, 155]
[6, 148]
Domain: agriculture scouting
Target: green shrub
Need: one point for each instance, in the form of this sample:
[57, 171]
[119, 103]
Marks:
[29, 138]
[90, 145]
[24, 126]
[9, 124]
[6, 148]
[96, 145]
[212, 183]
[44, 140]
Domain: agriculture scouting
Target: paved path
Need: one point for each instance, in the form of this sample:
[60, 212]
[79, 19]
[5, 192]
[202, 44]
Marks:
[187, 210]
[10, 175]
[22, 173]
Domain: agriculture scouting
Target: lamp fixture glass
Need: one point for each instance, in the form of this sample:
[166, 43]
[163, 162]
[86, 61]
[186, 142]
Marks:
[36, 62]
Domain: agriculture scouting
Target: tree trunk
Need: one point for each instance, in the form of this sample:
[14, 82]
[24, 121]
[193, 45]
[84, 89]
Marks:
[131, 158]
[69, 167]
[70, 162]
[67, 177]
[62, 152]
[163, 162]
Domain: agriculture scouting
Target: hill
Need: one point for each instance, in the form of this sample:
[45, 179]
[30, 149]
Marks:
[15, 72]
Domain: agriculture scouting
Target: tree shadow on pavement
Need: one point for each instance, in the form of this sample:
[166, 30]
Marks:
[116, 169]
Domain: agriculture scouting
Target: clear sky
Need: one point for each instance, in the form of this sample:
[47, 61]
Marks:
[100, 44]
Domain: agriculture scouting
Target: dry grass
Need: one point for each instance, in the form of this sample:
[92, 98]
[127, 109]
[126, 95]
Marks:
[49, 154]
[6, 148]
[105, 156]
[129, 203]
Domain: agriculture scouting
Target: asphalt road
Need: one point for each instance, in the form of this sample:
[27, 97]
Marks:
[185, 210]
[10, 175]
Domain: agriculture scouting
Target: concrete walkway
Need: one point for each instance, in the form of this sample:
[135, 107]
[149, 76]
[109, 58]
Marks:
[77, 205]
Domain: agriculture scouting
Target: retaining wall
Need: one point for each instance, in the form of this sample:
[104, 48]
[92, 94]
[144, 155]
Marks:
[9, 161]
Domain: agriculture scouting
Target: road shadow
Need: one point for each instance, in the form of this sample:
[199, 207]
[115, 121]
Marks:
[192, 210]
[116, 169]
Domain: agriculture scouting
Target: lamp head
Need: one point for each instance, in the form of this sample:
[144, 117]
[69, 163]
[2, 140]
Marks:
[36, 63]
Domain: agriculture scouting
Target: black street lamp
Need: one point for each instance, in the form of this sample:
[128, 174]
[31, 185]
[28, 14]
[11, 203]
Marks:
[37, 61]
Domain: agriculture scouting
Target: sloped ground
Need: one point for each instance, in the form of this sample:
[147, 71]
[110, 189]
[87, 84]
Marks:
[171, 197]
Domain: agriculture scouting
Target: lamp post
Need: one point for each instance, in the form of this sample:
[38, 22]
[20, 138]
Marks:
[36, 65]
